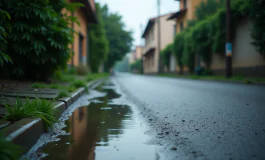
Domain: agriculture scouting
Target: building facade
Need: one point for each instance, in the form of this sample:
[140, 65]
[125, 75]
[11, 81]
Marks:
[150, 50]
[85, 15]
[181, 18]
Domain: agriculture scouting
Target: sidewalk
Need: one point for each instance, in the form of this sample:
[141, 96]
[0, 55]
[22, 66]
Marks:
[26, 131]
[236, 79]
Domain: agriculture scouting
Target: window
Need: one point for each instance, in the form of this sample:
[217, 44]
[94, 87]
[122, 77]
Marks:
[181, 26]
[185, 3]
[80, 48]
[174, 30]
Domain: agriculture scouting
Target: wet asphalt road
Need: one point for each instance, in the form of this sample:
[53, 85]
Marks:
[202, 119]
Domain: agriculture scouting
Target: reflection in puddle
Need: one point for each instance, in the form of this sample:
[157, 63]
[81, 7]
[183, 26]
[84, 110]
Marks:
[102, 131]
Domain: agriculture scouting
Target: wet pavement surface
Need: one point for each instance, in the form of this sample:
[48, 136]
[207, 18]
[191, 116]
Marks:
[105, 129]
[132, 117]
[201, 119]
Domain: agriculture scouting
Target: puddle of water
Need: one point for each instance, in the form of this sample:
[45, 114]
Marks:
[102, 131]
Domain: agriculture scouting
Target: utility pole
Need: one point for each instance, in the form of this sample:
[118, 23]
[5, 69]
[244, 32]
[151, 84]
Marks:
[228, 46]
[142, 54]
[160, 66]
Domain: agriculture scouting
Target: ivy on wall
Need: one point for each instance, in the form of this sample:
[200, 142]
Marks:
[165, 55]
[208, 36]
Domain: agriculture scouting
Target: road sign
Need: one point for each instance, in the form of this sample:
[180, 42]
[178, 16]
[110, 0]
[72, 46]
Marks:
[228, 49]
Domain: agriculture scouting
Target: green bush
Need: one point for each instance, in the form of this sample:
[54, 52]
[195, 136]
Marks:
[207, 35]
[71, 88]
[63, 93]
[189, 52]
[38, 85]
[98, 43]
[137, 66]
[38, 43]
[165, 54]
[78, 83]
[71, 70]
[178, 49]
[82, 70]
[38, 108]
[5, 28]
[8, 150]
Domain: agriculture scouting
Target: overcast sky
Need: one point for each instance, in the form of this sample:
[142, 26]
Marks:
[137, 12]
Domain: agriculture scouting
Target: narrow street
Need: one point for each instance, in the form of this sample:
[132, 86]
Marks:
[135, 117]
[202, 119]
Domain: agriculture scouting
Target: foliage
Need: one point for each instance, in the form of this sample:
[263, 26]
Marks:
[78, 83]
[120, 39]
[137, 66]
[92, 77]
[178, 49]
[165, 54]
[188, 52]
[98, 43]
[4, 30]
[258, 15]
[38, 43]
[9, 151]
[71, 70]
[82, 70]
[36, 108]
[207, 8]
[63, 93]
[207, 35]
[38, 85]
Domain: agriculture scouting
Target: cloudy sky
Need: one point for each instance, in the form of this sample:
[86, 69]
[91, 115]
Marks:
[137, 12]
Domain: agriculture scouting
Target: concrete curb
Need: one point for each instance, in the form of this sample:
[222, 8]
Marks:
[27, 131]
[209, 80]
[226, 81]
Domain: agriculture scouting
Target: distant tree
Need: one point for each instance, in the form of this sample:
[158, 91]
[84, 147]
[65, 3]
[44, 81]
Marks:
[120, 39]
[98, 43]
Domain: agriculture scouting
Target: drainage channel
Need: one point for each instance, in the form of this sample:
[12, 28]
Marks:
[102, 130]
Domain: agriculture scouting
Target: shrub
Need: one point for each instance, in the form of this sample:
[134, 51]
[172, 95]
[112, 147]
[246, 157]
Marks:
[137, 66]
[71, 88]
[38, 85]
[165, 54]
[178, 49]
[78, 83]
[54, 86]
[71, 70]
[38, 43]
[63, 93]
[5, 28]
[9, 151]
[82, 70]
[98, 43]
[36, 108]
[58, 75]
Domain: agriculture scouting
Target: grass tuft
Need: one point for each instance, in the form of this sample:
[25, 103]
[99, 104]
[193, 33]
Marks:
[38, 108]
[63, 93]
[78, 83]
[38, 85]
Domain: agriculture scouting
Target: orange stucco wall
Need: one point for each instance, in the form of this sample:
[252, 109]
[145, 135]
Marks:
[190, 14]
[80, 29]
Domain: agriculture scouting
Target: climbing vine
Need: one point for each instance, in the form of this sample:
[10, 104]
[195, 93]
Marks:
[208, 36]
